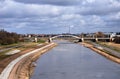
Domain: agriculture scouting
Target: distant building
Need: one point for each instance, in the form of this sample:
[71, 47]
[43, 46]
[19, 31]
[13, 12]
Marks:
[29, 36]
[113, 35]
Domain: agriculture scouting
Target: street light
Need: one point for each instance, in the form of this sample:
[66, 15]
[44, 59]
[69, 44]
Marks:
[70, 28]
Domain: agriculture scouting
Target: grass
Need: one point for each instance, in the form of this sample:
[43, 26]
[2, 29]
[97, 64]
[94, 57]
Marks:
[7, 46]
[89, 42]
[105, 45]
[21, 46]
[111, 47]
[107, 52]
[3, 56]
[41, 41]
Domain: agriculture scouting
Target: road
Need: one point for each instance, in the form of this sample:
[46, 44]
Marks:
[74, 61]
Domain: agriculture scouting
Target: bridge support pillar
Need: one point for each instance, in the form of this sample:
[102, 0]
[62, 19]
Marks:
[112, 39]
[36, 39]
[49, 40]
[82, 39]
[96, 39]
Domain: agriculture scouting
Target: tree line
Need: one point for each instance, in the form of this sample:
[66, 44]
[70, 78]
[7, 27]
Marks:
[8, 38]
[117, 40]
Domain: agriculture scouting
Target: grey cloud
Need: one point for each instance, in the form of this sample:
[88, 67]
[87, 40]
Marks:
[52, 2]
[68, 2]
[98, 11]
[11, 9]
[45, 16]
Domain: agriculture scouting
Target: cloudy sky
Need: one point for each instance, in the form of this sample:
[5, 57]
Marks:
[56, 16]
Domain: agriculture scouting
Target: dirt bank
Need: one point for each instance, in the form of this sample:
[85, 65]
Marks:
[117, 60]
[25, 67]
[4, 62]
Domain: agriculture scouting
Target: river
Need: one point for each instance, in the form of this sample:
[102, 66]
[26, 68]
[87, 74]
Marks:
[74, 61]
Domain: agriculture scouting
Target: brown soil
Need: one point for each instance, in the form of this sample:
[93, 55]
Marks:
[117, 60]
[6, 61]
[25, 68]
[113, 44]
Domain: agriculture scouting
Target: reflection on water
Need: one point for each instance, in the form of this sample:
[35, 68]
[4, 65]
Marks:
[73, 61]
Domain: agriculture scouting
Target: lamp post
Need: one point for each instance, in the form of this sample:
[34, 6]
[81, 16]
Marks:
[70, 28]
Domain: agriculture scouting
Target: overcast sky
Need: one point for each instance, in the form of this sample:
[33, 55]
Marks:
[56, 16]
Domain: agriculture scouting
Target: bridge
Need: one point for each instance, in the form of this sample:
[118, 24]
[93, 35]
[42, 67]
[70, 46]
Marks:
[81, 39]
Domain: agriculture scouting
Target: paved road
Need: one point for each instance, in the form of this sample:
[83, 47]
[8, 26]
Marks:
[73, 61]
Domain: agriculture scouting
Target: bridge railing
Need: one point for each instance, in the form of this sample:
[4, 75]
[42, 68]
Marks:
[80, 38]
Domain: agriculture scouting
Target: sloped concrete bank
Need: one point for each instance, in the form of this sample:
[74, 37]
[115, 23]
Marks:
[115, 59]
[23, 66]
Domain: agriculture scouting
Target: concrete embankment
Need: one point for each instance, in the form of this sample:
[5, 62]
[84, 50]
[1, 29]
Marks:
[22, 67]
[113, 58]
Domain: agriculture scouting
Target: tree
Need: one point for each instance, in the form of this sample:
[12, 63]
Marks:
[117, 39]
[8, 38]
[99, 34]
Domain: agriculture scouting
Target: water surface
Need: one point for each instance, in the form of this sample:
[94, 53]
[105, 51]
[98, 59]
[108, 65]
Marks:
[73, 61]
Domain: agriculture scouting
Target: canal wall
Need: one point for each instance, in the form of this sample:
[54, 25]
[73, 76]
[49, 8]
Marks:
[113, 58]
[25, 66]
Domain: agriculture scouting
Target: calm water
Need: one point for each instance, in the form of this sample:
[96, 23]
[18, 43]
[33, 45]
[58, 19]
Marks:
[73, 61]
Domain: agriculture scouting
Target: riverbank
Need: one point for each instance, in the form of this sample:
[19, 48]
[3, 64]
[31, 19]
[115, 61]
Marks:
[24, 68]
[111, 45]
[6, 59]
[10, 50]
[18, 68]
[101, 52]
